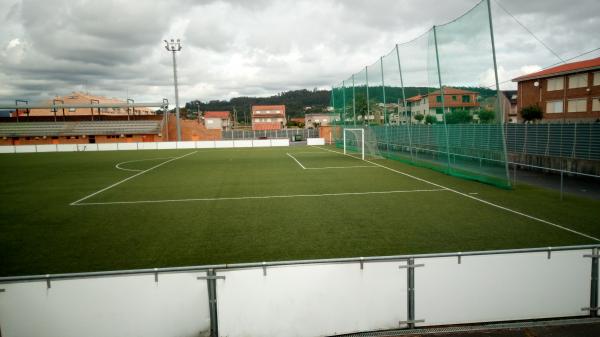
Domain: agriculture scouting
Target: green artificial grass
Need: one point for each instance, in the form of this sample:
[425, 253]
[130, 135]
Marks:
[41, 232]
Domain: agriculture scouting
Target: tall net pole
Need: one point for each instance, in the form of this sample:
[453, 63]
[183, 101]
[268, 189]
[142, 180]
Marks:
[367, 82]
[404, 103]
[353, 101]
[498, 111]
[437, 60]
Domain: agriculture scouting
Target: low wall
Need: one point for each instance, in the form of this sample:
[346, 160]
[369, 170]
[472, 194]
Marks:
[144, 146]
[558, 163]
[305, 298]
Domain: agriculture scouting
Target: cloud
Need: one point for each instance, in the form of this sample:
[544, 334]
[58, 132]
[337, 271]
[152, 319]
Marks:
[261, 47]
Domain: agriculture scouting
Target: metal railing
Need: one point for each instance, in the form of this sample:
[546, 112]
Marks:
[408, 263]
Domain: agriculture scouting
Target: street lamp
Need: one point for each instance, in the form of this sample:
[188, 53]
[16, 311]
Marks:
[175, 46]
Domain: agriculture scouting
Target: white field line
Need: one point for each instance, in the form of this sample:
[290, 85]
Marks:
[296, 160]
[477, 199]
[74, 203]
[118, 166]
[253, 197]
[327, 167]
[340, 167]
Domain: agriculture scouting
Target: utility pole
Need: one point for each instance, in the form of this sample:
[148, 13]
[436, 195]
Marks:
[175, 46]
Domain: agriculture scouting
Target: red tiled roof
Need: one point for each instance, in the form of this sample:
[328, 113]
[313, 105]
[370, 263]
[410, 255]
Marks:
[217, 114]
[447, 91]
[265, 126]
[562, 69]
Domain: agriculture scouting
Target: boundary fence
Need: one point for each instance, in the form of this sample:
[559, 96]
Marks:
[291, 134]
[307, 298]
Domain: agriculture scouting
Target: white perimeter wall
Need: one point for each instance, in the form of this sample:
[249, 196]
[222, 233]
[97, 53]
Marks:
[143, 146]
[502, 287]
[132, 305]
[311, 300]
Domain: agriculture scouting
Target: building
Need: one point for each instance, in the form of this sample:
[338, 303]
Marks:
[85, 98]
[509, 106]
[431, 103]
[319, 119]
[565, 93]
[268, 117]
[219, 120]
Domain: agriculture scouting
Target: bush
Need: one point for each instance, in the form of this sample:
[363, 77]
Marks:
[531, 113]
[486, 116]
[419, 117]
[459, 117]
[430, 119]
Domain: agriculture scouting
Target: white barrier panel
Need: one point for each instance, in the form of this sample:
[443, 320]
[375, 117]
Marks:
[127, 146]
[7, 149]
[46, 148]
[502, 287]
[223, 144]
[280, 142]
[166, 145]
[107, 147]
[25, 148]
[147, 146]
[242, 143]
[66, 147]
[261, 143]
[133, 305]
[315, 141]
[205, 144]
[87, 147]
[311, 300]
[186, 145]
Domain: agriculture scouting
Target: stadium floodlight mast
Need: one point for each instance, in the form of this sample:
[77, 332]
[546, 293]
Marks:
[175, 46]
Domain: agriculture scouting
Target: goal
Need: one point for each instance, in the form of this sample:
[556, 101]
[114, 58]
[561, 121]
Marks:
[360, 142]
[354, 141]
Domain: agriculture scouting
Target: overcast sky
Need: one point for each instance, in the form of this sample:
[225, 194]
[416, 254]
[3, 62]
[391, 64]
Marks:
[258, 47]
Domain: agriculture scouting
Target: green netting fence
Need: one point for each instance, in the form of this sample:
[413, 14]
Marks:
[433, 101]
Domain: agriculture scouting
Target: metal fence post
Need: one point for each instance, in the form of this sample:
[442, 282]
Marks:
[410, 291]
[593, 309]
[211, 283]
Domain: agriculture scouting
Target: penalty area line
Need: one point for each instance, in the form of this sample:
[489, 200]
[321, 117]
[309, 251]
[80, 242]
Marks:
[75, 203]
[253, 197]
[475, 198]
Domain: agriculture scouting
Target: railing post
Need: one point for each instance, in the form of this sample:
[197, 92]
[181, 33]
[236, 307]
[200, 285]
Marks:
[593, 309]
[410, 291]
[594, 285]
[211, 283]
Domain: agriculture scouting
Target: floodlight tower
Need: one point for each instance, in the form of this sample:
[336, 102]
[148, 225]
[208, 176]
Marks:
[175, 46]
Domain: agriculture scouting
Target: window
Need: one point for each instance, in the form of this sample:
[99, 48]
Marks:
[438, 99]
[71, 109]
[553, 107]
[555, 84]
[466, 99]
[578, 81]
[596, 104]
[454, 98]
[577, 105]
[597, 78]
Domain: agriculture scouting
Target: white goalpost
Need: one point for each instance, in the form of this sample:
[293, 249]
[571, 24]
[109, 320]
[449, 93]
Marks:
[359, 139]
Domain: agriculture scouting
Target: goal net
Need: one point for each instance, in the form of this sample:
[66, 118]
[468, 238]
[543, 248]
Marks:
[361, 143]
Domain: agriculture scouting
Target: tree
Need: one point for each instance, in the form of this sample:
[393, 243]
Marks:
[531, 113]
[430, 119]
[486, 116]
[459, 117]
[419, 118]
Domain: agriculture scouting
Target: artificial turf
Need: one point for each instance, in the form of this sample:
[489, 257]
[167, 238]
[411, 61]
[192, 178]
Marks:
[203, 208]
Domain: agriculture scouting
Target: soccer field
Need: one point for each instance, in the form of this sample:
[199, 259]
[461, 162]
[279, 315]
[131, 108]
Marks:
[75, 212]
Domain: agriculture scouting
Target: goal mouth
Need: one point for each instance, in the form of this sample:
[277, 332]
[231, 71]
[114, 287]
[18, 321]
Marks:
[360, 143]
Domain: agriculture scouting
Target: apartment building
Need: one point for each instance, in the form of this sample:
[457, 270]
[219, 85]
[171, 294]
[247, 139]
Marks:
[565, 93]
